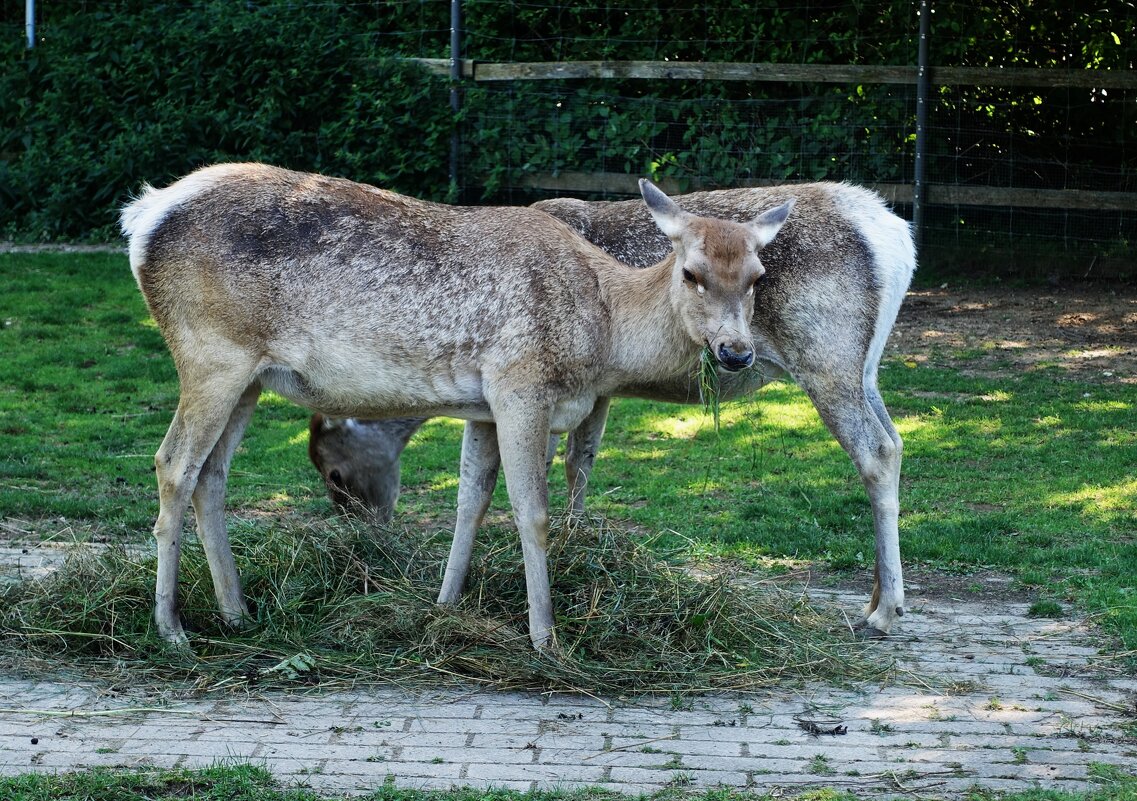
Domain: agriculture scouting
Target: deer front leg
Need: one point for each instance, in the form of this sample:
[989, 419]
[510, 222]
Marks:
[580, 455]
[478, 476]
[522, 435]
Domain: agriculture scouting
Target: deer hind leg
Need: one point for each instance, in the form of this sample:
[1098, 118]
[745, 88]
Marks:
[203, 414]
[888, 579]
[580, 456]
[209, 508]
[855, 414]
[478, 476]
[522, 434]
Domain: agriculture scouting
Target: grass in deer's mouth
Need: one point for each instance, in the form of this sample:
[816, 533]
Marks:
[342, 603]
[708, 375]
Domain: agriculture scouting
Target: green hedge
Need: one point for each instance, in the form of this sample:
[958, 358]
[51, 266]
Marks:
[111, 99]
[117, 93]
[124, 91]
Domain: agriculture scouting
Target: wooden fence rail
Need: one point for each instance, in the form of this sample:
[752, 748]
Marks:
[945, 194]
[783, 73]
[937, 194]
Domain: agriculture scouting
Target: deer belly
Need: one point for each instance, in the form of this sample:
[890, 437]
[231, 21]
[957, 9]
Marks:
[569, 413]
[381, 389]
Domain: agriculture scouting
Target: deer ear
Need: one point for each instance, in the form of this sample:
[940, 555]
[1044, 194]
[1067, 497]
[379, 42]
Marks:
[671, 219]
[767, 224]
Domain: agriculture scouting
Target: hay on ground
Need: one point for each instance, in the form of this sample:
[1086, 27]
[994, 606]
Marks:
[337, 602]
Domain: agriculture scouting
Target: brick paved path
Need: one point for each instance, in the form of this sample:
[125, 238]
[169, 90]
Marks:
[983, 695]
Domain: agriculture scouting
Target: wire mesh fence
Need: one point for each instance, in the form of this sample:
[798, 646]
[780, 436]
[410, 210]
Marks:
[1031, 158]
[1029, 116]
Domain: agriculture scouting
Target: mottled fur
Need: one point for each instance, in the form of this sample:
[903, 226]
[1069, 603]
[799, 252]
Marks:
[835, 277]
[359, 302]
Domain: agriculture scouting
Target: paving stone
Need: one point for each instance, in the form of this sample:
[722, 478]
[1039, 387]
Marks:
[489, 774]
[531, 727]
[592, 743]
[622, 734]
[962, 709]
[424, 739]
[679, 777]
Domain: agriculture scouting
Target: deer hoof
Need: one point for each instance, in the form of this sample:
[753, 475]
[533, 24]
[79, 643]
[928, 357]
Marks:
[866, 632]
[237, 619]
[176, 641]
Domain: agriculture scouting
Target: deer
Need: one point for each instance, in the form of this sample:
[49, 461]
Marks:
[357, 302]
[836, 277]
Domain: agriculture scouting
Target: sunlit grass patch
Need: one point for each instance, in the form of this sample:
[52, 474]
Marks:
[1104, 503]
[235, 780]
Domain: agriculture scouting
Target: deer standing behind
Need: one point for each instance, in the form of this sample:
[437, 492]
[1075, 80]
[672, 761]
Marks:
[357, 302]
[836, 276]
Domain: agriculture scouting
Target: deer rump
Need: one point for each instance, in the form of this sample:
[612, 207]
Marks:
[836, 275]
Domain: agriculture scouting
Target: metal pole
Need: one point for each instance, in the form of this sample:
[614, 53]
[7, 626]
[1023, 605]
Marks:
[921, 123]
[30, 22]
[455, 96]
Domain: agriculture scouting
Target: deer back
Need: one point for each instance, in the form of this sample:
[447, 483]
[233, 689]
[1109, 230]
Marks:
[362, 300]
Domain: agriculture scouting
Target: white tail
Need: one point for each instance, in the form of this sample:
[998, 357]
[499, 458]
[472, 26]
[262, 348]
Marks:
[836, 276]
[358, 302]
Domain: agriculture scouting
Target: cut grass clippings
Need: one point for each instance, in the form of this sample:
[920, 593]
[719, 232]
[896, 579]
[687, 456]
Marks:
[343, 603]
[708, 380]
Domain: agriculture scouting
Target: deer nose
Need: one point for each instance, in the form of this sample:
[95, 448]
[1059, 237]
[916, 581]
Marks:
[734, 357]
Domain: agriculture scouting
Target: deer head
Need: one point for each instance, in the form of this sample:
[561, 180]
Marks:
[715, 271]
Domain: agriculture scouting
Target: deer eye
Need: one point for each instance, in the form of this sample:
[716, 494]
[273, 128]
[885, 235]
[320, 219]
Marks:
[688, 276]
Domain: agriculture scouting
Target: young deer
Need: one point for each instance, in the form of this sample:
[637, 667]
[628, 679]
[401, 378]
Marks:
[357, 302]
[836, 276]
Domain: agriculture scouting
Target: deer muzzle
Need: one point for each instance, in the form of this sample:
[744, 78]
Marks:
[734, 356]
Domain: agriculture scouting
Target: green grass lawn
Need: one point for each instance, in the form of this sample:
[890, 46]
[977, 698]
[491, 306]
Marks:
[1026, 472]
[228, 783]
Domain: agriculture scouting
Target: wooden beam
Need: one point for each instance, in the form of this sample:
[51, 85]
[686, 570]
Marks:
[938, 194]
[441, 66]
[947, 194]
[694, 70]
[1041, 77]
[784, 73]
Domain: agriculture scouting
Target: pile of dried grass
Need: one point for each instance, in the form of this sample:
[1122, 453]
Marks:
[342, 603]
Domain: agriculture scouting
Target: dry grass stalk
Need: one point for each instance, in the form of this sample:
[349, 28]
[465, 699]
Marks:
[342, 604]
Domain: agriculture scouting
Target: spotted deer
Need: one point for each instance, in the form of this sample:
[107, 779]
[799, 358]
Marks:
[358, 302]
[835, 279]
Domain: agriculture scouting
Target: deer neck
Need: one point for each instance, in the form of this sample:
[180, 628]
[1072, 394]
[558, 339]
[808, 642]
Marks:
[649, 342]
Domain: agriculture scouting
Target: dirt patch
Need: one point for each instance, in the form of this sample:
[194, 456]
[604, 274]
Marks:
[1088, 333]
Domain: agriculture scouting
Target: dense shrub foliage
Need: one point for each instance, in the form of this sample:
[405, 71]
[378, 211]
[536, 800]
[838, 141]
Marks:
[123, 91]
[115, 96]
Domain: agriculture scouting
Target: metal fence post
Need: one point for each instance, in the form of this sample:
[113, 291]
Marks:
[455, 95]
[921, 124]
[30, 22]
